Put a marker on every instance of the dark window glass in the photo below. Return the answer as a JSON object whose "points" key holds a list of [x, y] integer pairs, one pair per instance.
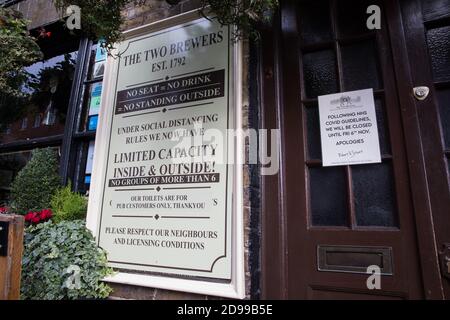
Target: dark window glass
{"points": [[328, 196], [439, 48], [85, 156], [313, 135], [360, 66], [315, 25], [383, 129], [48, 93], [373, 189], [435, 9], [352, 18], [444, 109], [319, 70]]}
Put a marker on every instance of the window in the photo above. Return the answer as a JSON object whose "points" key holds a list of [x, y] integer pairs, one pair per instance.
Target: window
{"points": [[37, 121], [42, 118], [60, 112], [47, 88], [87, 126], [24, 124]]}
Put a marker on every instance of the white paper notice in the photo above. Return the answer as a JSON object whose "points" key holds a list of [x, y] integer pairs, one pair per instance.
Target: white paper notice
{"points": [[348, 128]]}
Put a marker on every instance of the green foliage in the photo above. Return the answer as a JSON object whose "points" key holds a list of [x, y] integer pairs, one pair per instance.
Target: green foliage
{"points": [[36, 183], [17, 50], [99, 23], [244, 14], [100, 19], [68, 205], [51, 251]]}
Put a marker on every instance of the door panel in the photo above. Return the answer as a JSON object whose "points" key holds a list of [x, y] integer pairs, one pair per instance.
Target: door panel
{"points": [[427, 34]]}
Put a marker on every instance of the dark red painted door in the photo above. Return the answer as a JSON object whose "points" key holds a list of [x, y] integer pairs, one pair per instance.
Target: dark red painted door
{"points": [[427, 33], [323, 226]]}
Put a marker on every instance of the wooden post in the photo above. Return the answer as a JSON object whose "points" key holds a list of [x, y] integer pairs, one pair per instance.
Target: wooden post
{"points": [[11, 264]]}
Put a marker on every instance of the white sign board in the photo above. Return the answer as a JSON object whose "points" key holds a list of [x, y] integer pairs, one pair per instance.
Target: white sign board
{"points": [[164, 203], [348, 128]]}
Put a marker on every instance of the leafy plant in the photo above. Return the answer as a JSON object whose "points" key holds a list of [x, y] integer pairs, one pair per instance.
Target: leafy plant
{"points": [[99, 23], [36, 183], [68, 205], [100, 19], [244, 14], [62, 261], [34, 217], [17, 49]]}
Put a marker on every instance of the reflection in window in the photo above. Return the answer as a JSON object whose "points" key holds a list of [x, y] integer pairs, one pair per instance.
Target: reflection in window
{"points": [[47, 99], [37, 121], [50, 84], [24, 124]]}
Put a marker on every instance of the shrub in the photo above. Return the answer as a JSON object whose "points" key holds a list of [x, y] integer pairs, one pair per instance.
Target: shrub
{"points": [[68, 205], [62, 261], [35, 184]]}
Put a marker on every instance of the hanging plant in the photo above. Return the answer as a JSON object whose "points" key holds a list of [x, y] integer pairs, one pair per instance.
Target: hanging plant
{"points": [[244, 14], [102, 19]]}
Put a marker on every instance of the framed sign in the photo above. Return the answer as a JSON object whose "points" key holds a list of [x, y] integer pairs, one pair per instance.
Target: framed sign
{"points": [[166, 196]]}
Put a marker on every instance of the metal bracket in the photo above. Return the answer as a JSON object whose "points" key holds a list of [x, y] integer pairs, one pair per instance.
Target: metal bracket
{"points": [[421, 93], [4, 238]]}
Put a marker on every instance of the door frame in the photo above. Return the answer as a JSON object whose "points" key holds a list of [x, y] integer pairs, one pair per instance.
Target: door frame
{"points": [[279, 79]]}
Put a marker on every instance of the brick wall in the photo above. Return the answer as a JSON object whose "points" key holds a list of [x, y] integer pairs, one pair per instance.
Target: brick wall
{"points": [[42, 12], [38, 12]]}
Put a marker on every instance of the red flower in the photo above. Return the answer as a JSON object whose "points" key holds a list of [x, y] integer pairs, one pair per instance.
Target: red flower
{"points": [[29, 216], [45, 214], [37, 217], [3, 210]]}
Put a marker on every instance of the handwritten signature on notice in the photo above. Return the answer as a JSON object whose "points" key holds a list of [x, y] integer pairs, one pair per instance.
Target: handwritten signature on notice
{"points": [[350, 153]]}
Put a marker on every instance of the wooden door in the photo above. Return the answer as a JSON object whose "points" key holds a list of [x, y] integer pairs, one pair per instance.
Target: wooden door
{"points": [[322, 226], [427, 33]]}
